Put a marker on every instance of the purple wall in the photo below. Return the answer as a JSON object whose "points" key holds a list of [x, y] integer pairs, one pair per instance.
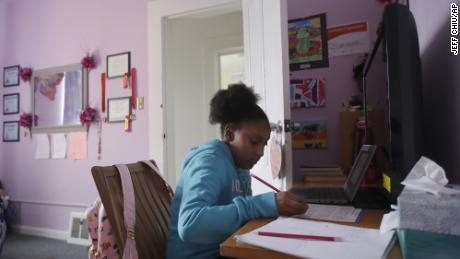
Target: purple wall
{"points": [[440, 85], [2, 64], [339, 77], [49, 33]]}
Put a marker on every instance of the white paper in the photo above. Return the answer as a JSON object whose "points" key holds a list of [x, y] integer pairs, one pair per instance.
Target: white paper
{"points": [[389, 222], [348, 39], [332, 213], [59, 146], [428, 176], [355, 242], [42, 150]]}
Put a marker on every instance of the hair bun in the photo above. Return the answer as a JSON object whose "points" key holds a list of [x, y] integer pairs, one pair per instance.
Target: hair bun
{"points": [[234, 104]]}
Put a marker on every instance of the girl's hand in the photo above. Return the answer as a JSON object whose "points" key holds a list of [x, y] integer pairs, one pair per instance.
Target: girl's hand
{"points": [[290, 204]]}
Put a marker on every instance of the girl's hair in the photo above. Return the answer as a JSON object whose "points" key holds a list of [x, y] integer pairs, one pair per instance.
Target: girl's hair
{"points": [[236, 104]]}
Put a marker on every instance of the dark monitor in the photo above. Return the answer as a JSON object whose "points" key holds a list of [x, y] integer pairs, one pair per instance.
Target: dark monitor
{"points": [[403, 106]]}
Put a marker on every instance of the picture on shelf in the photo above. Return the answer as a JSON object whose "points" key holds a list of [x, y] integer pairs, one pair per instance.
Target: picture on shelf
{"points": [[309, 134], [308, 42], [308, 93]]}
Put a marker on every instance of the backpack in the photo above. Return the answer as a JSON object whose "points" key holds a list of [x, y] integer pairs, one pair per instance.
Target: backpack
{"points": [[103, 245], [103, 241]]}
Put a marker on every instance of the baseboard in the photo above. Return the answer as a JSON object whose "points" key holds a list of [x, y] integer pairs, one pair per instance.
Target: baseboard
{"points": [[40, 232]]}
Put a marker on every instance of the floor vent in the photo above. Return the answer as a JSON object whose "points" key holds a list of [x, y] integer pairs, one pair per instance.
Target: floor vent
{"points": [[78, 230]]}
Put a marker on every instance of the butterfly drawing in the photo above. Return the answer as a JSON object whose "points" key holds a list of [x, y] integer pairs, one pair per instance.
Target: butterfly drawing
{"points": [[47, 85]]}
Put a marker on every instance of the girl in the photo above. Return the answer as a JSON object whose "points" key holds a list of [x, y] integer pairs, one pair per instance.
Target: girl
{"points": [[213, 197]]}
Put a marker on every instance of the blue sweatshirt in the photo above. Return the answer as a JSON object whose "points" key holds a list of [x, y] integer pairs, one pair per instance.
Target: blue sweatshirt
{"points": [[212, 200]]}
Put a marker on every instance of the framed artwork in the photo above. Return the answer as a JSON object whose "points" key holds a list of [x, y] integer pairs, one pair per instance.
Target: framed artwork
{"points": [[309, 134], [11, 103], [118, 109], [118, 64], [10, 131], [308, 42], [308, 93], [11, 76]]}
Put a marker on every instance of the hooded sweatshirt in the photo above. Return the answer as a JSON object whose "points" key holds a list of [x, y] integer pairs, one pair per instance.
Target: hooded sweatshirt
{"points": [[212, 200]]}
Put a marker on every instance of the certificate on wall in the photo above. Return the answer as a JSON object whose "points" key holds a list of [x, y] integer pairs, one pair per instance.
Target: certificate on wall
{"points": [[118, 109], [118, 64], [10, 131], [11, 76], [348, 39], [11, 103]]}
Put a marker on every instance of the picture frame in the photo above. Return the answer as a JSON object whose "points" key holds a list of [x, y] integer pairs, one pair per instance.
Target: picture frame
{"points": [[118, 108], [118, 64], [11, 76], [10, 131], [11, 103], [308, 46], [308, 93], [309, 134]]}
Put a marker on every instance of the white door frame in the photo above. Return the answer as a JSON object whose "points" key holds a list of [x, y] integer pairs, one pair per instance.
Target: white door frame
{"points": [[158, 11]]}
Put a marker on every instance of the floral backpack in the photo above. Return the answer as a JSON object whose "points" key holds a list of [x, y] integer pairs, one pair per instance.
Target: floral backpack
{"points": [[103, 245], [103, 242]]}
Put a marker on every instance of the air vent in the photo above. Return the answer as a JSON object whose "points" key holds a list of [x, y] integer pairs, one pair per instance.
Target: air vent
{"points": [[78, 230]]}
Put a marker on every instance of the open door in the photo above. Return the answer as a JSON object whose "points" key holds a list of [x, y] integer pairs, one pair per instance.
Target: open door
{"points": [[267, 70]]}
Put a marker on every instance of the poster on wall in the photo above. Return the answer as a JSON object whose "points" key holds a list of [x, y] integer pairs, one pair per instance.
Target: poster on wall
{"points": [[309, 134], [308, 42], [348, 39], [308, 93]]}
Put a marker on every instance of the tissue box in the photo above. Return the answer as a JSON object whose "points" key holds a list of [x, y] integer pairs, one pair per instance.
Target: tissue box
{"points": [[426, 212]]}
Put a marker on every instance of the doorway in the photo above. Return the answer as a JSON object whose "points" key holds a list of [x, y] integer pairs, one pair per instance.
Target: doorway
{"points": [[203, 50]]}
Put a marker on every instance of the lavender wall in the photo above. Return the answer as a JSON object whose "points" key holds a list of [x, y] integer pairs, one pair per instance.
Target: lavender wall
{"points": [[339, 77], [440, 84], [47, 33], [2, 64]]}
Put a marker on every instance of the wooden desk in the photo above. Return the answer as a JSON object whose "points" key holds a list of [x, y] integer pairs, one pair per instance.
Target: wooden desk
{"points": [[231, 248]]}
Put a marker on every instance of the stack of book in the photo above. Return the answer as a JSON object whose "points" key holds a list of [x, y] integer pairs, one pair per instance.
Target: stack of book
{"points": [[321, 171], [322, 176]]}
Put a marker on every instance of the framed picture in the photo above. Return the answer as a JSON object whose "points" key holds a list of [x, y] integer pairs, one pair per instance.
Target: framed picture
{"points": [[11, 76], [11, 103], [308, 42], [309, 134], [118, 108], [10, 131], [118, 64], [308, 93]]}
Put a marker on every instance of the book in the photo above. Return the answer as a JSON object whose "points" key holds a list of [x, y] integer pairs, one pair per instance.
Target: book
{"points": [[324, 180], [321, 170]]}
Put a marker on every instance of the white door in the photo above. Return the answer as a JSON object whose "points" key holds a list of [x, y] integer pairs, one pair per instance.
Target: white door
{"points": [[267, 69], [159, 12]]}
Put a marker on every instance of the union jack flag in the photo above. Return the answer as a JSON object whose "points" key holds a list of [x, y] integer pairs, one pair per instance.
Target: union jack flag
{"points": [[308, 93]]}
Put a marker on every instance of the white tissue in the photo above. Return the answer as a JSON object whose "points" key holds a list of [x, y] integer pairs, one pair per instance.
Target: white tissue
{"points": [[428, 176], [389, 222]]}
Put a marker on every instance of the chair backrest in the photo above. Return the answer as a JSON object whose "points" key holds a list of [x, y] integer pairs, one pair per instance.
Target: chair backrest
{"points": [[152, 204]]}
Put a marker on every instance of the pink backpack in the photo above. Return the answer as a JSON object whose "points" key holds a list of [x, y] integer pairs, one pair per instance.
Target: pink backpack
{"points": [[103, 245]]}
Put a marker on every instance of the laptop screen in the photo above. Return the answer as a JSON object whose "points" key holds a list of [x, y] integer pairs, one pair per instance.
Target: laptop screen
{"points": [[359, 169]]}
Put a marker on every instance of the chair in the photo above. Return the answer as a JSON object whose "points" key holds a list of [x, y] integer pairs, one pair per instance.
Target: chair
{"points": [[152, 197]]}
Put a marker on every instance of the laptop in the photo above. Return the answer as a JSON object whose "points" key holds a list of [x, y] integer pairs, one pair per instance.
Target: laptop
{"points": [[346, 193]]}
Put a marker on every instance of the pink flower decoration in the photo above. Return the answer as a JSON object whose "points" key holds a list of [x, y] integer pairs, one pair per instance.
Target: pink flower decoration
{"points": [[87, 115], [25, 120], [88, 62], [25, 73]]}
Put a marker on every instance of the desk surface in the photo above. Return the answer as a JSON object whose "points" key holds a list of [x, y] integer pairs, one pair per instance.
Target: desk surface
{"points": [[231, 248]]}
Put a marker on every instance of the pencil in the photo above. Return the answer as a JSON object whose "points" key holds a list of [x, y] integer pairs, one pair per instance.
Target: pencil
{"points": [[264, 182], [286, 235]]}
